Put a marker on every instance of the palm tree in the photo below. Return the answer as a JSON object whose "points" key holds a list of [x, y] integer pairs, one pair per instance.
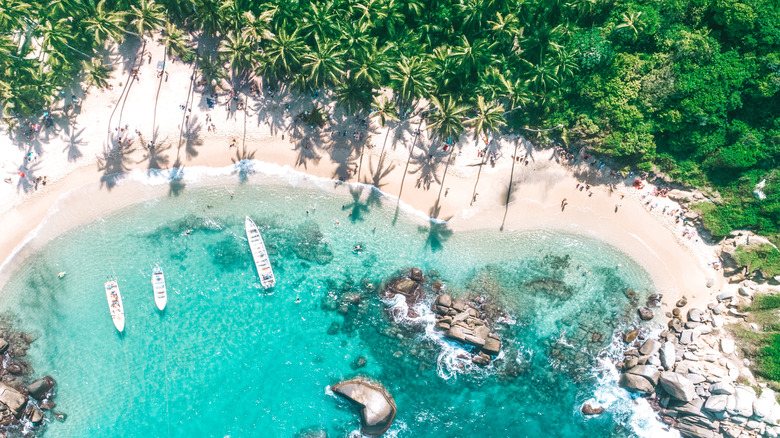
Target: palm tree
{"points": [[631, 23], [11, 14], [237, 50], [97, 74], [174, 40], [323, 66], [211, 71], [103, 24], [147, 17], [354, 96], [208, 16], [489, 118], [411, 79], [446, 121], [283, 53]]}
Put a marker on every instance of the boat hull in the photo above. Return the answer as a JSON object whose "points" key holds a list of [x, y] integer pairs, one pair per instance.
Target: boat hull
{"points": [[259, 254], [159, 289], [115, 306]]}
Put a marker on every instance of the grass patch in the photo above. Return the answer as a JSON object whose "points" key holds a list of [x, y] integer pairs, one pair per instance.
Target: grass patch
{"points": [[764, 258], [764, 302]]}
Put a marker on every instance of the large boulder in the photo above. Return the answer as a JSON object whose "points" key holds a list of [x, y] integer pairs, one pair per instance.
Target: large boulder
{"points": [[668, 355], [377, 406], [650, 347], [677, 386], [649, 372], [635, 383], [744, 397], [762, 407], [727, 345], [716, 403], [589, 408], [12, 398], [40, 387], [722, 388], [645, 314]]}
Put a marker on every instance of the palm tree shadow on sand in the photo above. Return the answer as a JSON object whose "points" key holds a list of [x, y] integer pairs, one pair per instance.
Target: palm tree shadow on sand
{"points": [[114, 163]]}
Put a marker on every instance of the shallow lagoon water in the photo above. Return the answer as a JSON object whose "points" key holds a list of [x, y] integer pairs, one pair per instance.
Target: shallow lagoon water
{"points": [[228, 359]]}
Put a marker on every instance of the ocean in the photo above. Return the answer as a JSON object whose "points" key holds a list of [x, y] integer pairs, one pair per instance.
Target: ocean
{"points": [[229, 359]]}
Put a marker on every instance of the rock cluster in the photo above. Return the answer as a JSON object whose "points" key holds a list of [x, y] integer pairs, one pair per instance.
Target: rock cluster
{"points": [[691, 374], [461, 322], [411, 287], [377, 407], [19, 403]]}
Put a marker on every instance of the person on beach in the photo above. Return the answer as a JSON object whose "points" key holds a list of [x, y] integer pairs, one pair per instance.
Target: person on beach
{"points": [[564, 203]]}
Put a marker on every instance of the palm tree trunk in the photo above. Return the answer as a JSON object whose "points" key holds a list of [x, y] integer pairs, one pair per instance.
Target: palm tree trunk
{"points": [[408, 159]]}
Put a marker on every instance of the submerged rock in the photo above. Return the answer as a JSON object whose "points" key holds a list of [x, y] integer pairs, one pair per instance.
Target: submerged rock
{"points": [[589, 409], [377, 406], [460, 321], [40, 387], [551, 288]]}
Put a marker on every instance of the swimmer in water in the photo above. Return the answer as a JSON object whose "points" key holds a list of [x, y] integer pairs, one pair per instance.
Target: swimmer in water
{"points": [[297, 300]]}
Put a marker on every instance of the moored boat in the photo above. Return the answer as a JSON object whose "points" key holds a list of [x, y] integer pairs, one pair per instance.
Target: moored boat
{"points": [[115, 304], [160, 291], [259, 254]]}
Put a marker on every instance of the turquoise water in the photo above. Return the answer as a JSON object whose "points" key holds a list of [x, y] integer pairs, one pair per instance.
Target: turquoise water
{"points": [[228, 359]]}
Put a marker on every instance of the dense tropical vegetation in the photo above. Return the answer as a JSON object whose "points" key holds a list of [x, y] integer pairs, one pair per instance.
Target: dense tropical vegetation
{"points": [[690, 88]]}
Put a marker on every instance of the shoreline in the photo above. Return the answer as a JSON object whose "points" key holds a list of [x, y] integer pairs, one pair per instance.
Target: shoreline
{"points": [[92, 152]]}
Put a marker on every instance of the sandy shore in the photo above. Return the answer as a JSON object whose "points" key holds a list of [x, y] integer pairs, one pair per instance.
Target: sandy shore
{"points": [[80, 156]]}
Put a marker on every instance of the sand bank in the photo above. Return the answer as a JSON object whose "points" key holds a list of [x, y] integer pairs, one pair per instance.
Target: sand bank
{"points": [[83, 155]]}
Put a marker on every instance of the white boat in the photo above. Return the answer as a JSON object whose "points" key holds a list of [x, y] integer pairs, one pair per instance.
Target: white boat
{"points": [[115, 304], [260, 255], [158, 285]]}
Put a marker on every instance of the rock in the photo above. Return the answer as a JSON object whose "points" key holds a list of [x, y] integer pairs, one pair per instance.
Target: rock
{"points": [[682, 302], [649, 372], [667, 354], [40, 387], [492, 345], [744, 397], [692, 431], [630, 336], [481, 359], [676, 325], [710, 281], [444, 300], [686, 337], [416, 275], [651, 346], [589, 409], [718, 309], [59, 416], [645, 314], [377, 406], [14, 368], [695, 378], [359, 362], [688, 355], [48, 405], [745, 292], [726, 295], [762, 407], [695, 315], [35, 415], [630, 362], [727, 346], [3, 346], [334, 328], [677, 386], [716, 403], [717, 321], [635, 383], [13, 399], [676, 312]]}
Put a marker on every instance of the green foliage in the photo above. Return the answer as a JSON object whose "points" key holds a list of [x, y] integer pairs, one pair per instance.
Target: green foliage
{"points": [[764, 302], [765, 258], [690, 87]]}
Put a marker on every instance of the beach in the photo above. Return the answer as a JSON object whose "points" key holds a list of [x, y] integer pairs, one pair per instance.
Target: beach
{"points": [[80, 155]]}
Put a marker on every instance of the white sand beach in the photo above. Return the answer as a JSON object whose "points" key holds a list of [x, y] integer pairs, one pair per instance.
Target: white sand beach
{"points": [[79, 154]]}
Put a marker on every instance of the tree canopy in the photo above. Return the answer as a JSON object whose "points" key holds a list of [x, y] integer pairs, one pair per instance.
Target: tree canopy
{"points": [[690, 88]]}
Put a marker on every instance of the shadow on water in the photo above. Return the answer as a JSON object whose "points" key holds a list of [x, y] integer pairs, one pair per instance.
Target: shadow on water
{"points": [[357, 209], [175, 180], [437, 233], [244, 164]]}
